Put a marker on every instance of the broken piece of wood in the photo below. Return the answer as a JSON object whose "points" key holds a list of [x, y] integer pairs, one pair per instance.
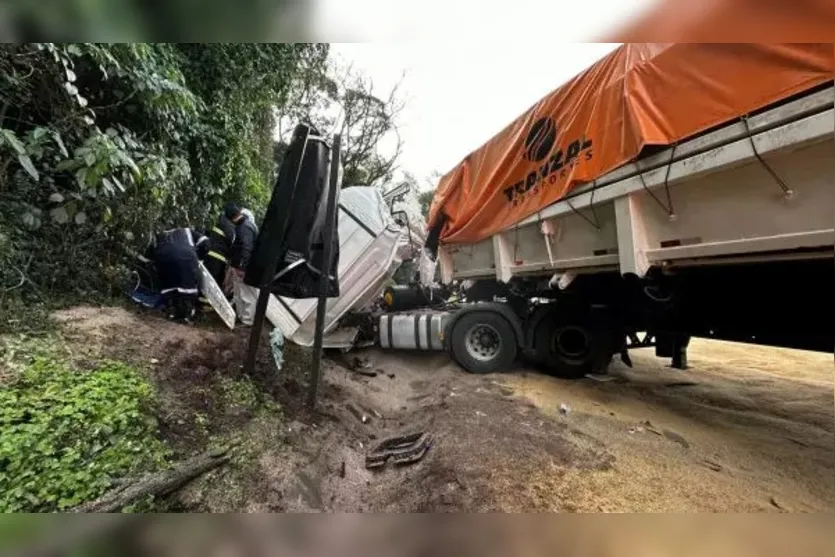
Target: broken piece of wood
{"points": [[155, 484]]}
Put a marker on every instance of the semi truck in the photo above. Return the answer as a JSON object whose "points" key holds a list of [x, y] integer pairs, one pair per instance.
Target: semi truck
{"points": [[668, 192]]}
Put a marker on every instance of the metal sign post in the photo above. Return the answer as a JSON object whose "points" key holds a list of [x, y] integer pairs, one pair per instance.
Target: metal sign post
{"points": [[321, 305], [266, 280]]}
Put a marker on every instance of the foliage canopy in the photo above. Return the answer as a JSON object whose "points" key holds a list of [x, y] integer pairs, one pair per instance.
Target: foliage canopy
{"points": [[102, 143]]}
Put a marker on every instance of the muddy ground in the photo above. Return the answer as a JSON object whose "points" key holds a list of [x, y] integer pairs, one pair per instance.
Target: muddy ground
{"points": [[745, 429]]}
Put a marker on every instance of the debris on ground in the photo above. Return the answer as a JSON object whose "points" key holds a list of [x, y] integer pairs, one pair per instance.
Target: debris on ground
{"points": [[715, 466], [600, 378], [564, 409], [651, 428], [673, 436], [676, 384], [767, 412], [401, 450], [777, 505], [277, 347], [358, 414], [359, 363]]}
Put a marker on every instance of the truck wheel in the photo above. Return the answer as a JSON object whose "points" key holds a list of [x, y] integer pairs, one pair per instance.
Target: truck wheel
{"points": [[483, 342], [572, 348]]}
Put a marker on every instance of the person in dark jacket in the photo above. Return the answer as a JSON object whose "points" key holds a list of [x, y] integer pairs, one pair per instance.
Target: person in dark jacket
{"points": [[176, 254], [221, 237], [245, 234]]}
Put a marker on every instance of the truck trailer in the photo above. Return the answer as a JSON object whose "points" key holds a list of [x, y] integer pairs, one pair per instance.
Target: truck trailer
{"points": [[670, 191]]}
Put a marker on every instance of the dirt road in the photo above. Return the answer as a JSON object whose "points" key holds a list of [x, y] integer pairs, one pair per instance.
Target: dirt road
{"points": [[746, 429]]}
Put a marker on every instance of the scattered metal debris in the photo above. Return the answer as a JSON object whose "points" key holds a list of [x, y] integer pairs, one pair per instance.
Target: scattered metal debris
{"points": [[564, 409], [401, 450], [479, 413]]}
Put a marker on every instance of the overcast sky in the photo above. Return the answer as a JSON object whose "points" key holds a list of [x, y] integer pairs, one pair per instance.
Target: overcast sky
{"points": [[461, 87]]}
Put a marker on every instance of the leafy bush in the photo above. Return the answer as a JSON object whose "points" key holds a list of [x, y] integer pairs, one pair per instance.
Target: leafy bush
{"points": [[103, 144], [65, 435]]}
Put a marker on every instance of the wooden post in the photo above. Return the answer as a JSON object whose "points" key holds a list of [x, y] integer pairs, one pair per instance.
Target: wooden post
{"points": [[321, 306]]}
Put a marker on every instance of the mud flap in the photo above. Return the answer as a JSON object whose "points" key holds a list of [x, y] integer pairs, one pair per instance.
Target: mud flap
{"points": [[213, 293]]}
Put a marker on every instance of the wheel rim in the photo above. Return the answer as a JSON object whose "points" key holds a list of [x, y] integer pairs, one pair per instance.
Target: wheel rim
{"points": [[483, 342], [573, 342]]}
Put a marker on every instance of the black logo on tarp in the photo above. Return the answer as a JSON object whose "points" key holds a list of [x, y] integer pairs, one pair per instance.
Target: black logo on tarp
{"points": [[540, 139], [554, 161]]}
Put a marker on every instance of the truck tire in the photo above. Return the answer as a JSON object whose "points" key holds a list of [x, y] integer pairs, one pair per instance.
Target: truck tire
{"points": [[571, 346], [483, 342]]}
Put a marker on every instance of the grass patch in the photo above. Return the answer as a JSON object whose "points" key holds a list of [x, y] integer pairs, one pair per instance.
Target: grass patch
{"points": [[65, 434]]}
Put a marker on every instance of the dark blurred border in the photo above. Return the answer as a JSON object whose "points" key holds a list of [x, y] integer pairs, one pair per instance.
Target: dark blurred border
{"points": [[731, 21], [406, 535], [156, 20]]}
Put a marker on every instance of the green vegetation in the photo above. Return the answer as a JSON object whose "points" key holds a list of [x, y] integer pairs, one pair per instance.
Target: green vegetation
{"points": [[65, 434], [102, 144]]}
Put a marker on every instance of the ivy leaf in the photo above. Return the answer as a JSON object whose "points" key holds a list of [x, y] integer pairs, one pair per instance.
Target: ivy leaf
{"points": [[118, 184], [60, 142], [90, 158], [108, 185], [56, 198], [27, 165], [82, 102], [80, 218], [70, 75], [108, 215], [60, 215], [68, 164], [81, 177], [74, 50], [71, 89], [13, 141]]}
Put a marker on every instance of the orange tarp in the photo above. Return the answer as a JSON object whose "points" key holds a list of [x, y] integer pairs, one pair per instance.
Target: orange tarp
{"points": [[639, 95]]}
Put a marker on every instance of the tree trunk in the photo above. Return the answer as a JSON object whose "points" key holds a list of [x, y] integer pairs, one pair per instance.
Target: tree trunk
{"points": [[159, 483]]}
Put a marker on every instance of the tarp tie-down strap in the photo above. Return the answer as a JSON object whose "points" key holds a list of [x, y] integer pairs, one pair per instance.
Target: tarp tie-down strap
{"points": [[595, 222], [788, 193], [668, 207]]}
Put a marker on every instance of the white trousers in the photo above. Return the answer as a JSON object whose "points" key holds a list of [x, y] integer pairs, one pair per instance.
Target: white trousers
{"points": [[245, 298]]}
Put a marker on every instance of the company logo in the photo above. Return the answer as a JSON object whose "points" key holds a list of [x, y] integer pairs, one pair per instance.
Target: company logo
{"points": [[542, 147], [540, 139]]}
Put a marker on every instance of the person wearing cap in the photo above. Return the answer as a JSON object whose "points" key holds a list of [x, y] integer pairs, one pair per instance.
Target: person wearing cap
{"points": [[243, 245]]}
